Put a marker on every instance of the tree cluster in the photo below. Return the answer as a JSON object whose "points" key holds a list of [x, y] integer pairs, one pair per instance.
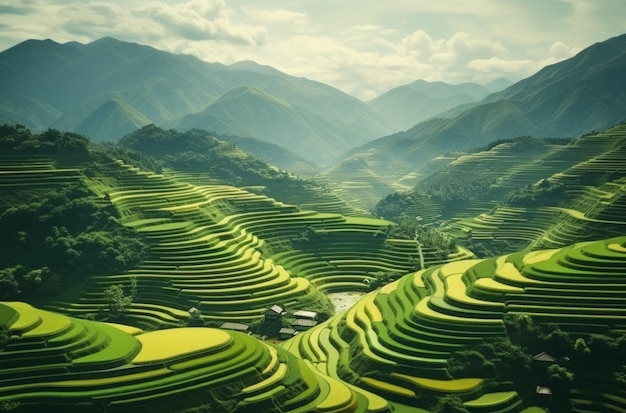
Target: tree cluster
{"points": [[200, 151], [53, 238], [411, 228], [20, 140]]}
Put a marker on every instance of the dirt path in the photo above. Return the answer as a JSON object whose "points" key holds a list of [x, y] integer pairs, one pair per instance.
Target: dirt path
{"points": [[343, 301]]}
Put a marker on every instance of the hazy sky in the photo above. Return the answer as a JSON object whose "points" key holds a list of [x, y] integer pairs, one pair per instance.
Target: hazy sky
{"points": [[363, 47]]}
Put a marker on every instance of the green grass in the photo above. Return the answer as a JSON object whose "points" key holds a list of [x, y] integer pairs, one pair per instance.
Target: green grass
{"points": [[492, 399]]}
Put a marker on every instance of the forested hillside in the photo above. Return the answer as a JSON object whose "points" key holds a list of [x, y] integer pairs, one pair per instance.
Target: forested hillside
{"points": [[56, 231], [524, 193]]}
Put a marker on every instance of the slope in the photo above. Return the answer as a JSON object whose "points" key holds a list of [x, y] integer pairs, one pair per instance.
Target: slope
{"points": [[468, 330], [248, 111], [525, 193], [576, 96], [42, 81], [413, 103]]}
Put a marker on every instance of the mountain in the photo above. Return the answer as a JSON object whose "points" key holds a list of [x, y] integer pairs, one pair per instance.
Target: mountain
{"points": [[273, 154], [409, 104], [78, 86], [584, 93], [249, 111], [113, 117]]}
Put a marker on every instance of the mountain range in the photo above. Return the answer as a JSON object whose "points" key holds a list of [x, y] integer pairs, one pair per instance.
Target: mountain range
{"points": [[109, 88], [415, 102], [582, 94]]}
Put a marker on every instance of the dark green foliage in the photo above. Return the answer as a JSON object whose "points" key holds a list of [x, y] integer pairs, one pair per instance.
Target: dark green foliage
{"points": [[411, 228], [59, 237], [200, 151], [526, 142], [470, 363], [19, 140], [4, 336], [450, 404], [544, 192], [497, 357], [130, 157], [559, 377], [455, 191], [119, 298], [396, 205]]}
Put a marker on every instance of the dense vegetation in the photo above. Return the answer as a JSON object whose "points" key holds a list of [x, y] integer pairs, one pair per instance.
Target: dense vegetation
{"points": [[18, 140], [200, 151], [54, 239]]}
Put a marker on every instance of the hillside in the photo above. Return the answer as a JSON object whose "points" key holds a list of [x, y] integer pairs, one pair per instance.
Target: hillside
{"points": [[205, 158], [435, 327], [481, 335], [410, 104], [248, 111], [108, 88], [570, 98], [273, 154], [525, 193]]}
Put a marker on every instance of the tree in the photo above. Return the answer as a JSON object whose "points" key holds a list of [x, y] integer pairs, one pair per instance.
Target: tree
{"points": [[523, 322], [117, 299], [450, 404], [559, 376]]}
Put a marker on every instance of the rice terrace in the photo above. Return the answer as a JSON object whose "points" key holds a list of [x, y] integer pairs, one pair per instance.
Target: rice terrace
{"points": [[177, 268]]}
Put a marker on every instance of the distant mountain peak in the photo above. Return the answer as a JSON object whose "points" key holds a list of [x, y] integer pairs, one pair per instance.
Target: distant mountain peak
{"points": [[251, 91], [252, 66]]}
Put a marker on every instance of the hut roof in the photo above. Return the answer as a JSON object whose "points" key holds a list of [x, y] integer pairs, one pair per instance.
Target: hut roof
{"points": [[235, 326], [312, 315], [544, 357]]}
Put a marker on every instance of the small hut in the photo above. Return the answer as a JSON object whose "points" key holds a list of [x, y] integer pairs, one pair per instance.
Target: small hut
{"points": [[305, 315], [286, 333], [543, 395], [302, 324], [542, 361], [274, 313], [243, 328]]}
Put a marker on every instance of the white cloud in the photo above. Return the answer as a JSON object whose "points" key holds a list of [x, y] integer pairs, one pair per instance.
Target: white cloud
{"points": [[201, 20], [281, 17], [362, 48], [560, 50]]}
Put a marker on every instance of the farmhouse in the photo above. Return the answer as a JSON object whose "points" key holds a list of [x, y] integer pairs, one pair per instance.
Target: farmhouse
{"points": [[543, 394], [244, 328], [543, 360], [274, 313], [306, 315], [302, 324], [194, 313], [286, 333]]}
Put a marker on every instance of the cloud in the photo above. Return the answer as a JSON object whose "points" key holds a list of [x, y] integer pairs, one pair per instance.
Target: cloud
{"points": [[364, 49], [296, 20], [561, 50], [201, 20], [156, 23]]}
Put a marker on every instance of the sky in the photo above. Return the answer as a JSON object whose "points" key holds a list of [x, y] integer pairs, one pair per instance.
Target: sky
{"points": [[362, 47]]}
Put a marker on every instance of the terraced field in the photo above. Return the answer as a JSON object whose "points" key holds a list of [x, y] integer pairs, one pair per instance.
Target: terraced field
{"points": [[229, 252], [396, 342], [232, 253], [53, 362], [29, 172], [586, 211]]}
